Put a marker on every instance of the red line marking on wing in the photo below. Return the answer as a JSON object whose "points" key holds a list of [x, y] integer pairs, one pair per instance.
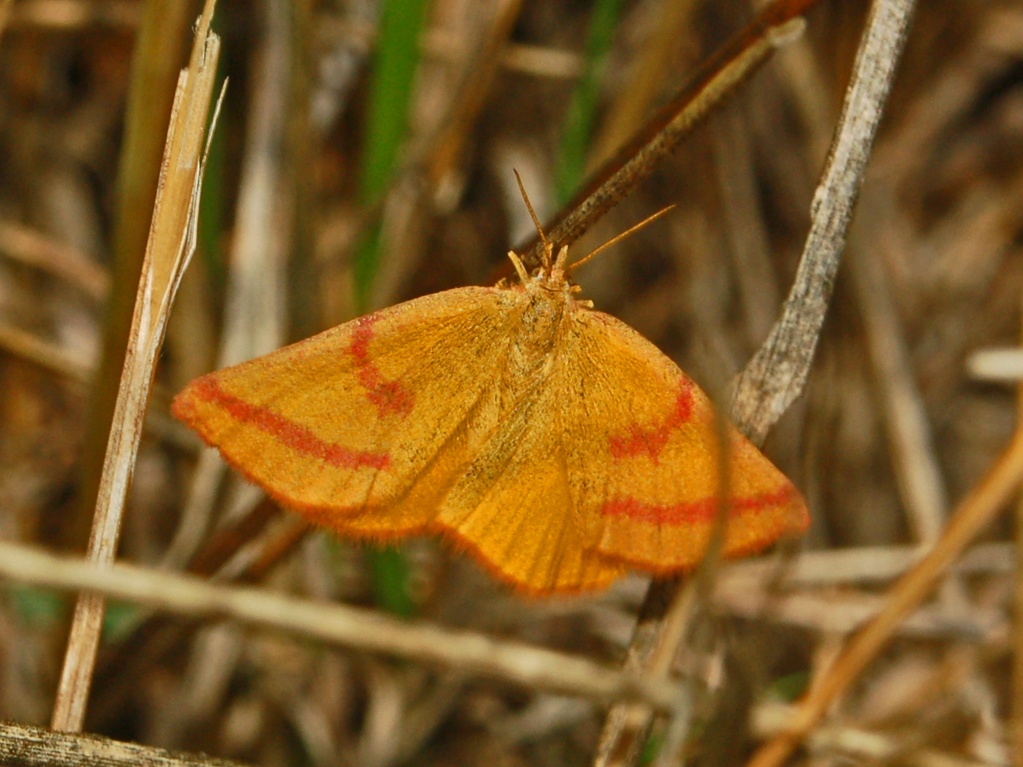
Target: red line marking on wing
{"points": [[297, 437], [703, 510], [387, 396], [640, 441]]}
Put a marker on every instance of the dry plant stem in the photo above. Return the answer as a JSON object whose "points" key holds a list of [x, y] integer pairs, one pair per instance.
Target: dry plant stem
{"points": [[777, 373], [625, 728], [43, 353], [157, 636], [915, 460], [36, 747], [170, 246], [867, 745], [996, 365], [715, 79], [839, 615], [27, 246], [916, 464], [336, 624], [974, 513], [60, 15], [863, 564], [156, 61]]}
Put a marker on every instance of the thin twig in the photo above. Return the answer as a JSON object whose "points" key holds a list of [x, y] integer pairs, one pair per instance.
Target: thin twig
{"points": [[717, 78], [337, 624]]}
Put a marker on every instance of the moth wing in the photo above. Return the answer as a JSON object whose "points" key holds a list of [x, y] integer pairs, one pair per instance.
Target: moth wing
{"points": [[512, 508], [643, 460], [357, 417]]}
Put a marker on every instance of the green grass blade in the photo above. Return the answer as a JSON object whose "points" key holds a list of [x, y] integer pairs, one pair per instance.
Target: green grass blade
{"points": [[582, 109]]}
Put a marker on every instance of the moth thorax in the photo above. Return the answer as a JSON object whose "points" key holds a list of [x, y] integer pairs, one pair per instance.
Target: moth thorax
{"points": [[530, 355]]}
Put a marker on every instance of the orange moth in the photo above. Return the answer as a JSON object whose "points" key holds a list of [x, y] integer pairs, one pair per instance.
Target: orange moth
{"points": [[551, 441]]}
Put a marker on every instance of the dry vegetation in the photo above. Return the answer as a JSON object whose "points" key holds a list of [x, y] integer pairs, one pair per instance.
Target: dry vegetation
{"points": [[889, 436]]}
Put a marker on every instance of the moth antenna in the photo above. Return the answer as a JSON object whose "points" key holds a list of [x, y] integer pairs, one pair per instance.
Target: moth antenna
{"points": [[547, 248], [617, 237]]}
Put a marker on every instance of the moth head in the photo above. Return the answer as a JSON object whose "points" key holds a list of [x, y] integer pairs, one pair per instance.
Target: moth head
{"points": [[553, 275]]}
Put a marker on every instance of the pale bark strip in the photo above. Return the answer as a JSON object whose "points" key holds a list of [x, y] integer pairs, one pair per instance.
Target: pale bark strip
{"points": [[777, 373], [336, 624], [171, 243]]}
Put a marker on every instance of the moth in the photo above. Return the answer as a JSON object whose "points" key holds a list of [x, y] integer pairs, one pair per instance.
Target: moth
{"points": [[549, 440]]}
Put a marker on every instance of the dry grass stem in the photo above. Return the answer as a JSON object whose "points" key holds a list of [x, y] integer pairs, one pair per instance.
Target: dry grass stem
{"points": [[772, 718], [840, 613], [776, 25], [997, 365], [171, 244], [862, 565], [916, 463], [339, 625], [23, 245], [45, 354]]}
